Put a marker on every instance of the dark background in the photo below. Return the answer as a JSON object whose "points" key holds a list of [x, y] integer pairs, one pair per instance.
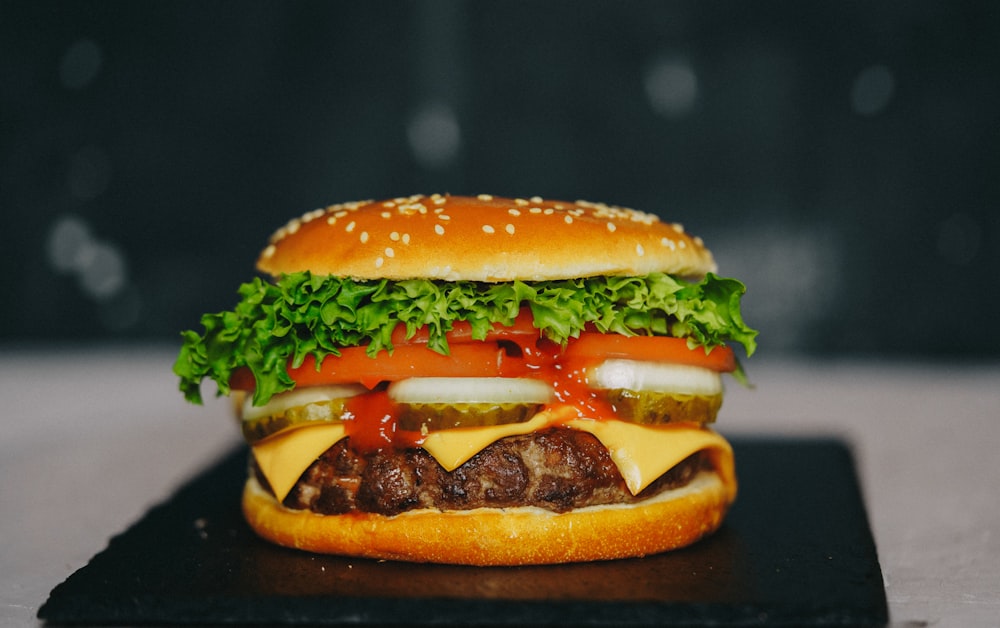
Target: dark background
{"points": [[842, 158]]}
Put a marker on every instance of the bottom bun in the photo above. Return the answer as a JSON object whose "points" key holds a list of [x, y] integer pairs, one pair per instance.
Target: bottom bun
{"points": [[509, 536]]}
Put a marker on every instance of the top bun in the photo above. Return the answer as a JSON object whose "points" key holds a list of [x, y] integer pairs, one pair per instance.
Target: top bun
{"points": [[483, 238]]}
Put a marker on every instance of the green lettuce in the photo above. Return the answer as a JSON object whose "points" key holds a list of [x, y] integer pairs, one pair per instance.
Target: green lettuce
{"points": [[302, 314]]}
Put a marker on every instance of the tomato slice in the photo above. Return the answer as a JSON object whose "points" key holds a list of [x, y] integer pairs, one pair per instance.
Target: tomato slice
{"points": [[472, 358], [411, 357], [354, 365], [650, 349], [461, 331]]}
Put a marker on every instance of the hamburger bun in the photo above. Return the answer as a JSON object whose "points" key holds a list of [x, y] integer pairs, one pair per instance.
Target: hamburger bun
{"points": [[437, 291], [482, 238], [510, 536]]}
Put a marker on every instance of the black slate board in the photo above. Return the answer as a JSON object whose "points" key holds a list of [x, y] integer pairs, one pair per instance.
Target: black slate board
{"points": [[796, 549]]}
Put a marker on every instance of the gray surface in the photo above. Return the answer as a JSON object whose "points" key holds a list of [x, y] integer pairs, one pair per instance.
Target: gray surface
{"points": [[93, 438]]}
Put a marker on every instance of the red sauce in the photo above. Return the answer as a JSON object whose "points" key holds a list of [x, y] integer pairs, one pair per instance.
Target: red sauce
{"points": [[568, 379], [371, 418]]}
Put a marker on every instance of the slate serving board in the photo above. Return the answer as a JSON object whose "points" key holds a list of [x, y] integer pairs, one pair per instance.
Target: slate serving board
{"points": [[796, 549]]}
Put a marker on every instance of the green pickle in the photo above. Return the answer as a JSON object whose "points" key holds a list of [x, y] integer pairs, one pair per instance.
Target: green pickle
{"points": [[420, 417], [652, 408], [319, 412], [645, 407]]}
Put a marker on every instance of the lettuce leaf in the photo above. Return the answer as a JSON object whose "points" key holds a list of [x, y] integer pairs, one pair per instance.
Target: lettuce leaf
{"points": [[302, 314]]}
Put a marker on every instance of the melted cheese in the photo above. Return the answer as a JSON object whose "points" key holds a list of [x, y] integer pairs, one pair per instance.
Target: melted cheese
{"points": [[642, 453], [284, 457], [451, 448]]}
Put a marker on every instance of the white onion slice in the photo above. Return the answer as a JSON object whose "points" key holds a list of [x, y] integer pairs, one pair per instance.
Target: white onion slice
{"points": [[654, 376], [299, 397], [470, 390]]}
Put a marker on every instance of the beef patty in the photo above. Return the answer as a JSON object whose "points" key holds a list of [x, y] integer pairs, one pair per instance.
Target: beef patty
{"points": [[558, 469]]}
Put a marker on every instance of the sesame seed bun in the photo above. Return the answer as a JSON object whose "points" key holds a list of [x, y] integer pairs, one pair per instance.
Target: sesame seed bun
{"points": [[510, 536], [492, 239], [482, 238]]}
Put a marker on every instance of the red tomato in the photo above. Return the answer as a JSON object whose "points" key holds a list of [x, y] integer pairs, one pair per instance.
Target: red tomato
{"points": [[461, 331], [650, 349], [474, 359]]}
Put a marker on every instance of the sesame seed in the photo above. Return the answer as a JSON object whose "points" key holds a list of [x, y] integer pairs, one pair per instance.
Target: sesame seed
{"points": [[386, 214], [268, 252], [536, 199], [406, 238], [364, 237], [548, 211], [350, 227], [331, 220], [535, 210], [514, 212], [378, 262], [440, 200], [612, 226], [438, 229], [520, 201], [568, 219], [682, 244], [679, 228], [388, 204], [664, 241], [313, 215], [639, 250], [485, 197], [293, 226], [488, 229], [389, 252], [509, 229], [444, 217], [394, 236], [341, 213]]}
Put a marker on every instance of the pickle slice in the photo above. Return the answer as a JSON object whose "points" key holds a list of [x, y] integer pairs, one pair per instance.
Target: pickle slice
{"points": [[653, 407], [424, 417], [319, 412]]}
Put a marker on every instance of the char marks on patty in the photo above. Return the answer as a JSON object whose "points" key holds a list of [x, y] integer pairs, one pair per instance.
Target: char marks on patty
{"points": [[557, 469]]}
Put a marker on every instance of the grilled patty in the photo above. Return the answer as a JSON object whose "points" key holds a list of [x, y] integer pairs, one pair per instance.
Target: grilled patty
{"points": [[557, 469]]}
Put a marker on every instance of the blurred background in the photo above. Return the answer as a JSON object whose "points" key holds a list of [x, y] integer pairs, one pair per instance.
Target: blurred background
{"points": [[841, 158]]}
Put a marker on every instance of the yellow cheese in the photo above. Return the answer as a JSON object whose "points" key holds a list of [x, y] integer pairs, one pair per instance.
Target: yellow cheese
{"points": [[452, 448], [284, 457], [642, 453]]}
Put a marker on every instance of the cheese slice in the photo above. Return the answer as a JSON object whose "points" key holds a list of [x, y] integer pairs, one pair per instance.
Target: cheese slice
{"points": [[642, 453], [452, 448], [284, 457]]}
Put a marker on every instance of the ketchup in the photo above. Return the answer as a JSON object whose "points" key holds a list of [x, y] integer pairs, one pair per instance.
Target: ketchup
{"points": [[568, 379], [371, 419]]}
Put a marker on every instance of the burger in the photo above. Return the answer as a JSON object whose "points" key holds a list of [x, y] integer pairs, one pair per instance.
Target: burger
{"points": [[480, 381]]}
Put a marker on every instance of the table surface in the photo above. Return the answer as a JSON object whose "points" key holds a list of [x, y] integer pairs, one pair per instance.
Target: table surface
{"points": [[94, 437]]}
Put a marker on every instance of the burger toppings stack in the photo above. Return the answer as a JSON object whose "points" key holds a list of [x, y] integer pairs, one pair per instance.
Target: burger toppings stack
{"points": [[479, 380]]}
